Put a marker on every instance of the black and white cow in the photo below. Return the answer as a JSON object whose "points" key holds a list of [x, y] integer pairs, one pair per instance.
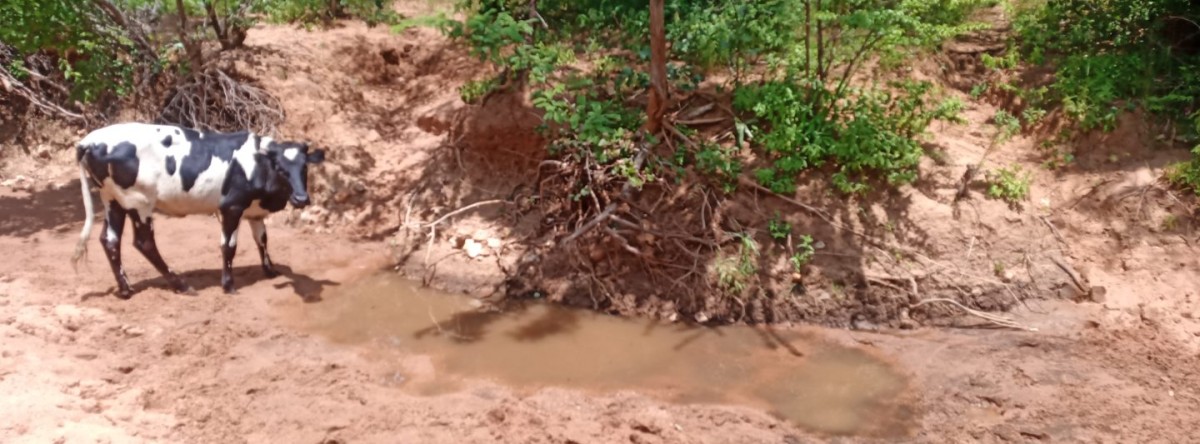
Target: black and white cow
{"points": [[142, 169]]}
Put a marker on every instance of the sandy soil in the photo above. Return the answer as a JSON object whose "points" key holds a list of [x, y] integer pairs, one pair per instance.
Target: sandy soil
{"points": [[78, 365]]}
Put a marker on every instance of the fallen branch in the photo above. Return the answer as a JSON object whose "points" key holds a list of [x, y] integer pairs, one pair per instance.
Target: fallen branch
{"points": [[994, 319]]}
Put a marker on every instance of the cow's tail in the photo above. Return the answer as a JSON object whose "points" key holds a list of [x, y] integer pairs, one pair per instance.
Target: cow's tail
{"points": [[89, 217]]}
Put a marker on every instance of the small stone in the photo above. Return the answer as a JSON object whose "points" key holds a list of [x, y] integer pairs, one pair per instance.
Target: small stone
{"points": [[473, 249], [818, 245], [1007, 276], [132, 331], [493, 243], [1099, 294], [976, 292], [701, 317]]}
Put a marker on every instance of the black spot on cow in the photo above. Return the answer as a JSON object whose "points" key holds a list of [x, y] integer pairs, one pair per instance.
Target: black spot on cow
{"points": [[167, 141], [170, 165], [124, 162], [93, 156], [202, 150], [190, 134]]}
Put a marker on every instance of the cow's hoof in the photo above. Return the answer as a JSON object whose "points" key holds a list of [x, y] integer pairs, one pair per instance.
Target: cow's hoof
{"points": [[124, 293], [230, 291], [186, 290], [271, 273]]}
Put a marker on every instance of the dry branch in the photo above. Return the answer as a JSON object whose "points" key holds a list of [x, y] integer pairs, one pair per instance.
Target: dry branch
{"points": [[14, 86]]}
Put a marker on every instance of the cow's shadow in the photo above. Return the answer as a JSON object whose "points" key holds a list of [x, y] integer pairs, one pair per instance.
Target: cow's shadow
{"points": [[306, 287]]}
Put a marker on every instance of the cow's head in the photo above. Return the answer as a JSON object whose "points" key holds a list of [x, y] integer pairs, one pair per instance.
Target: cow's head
{"points": [[290, 160]]}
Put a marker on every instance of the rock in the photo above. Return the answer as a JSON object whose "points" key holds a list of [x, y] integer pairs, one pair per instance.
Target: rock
{"points": [[493, 243], [818, 245], [132, 331], [473, 249], [1099, 294], [1007, 276]]}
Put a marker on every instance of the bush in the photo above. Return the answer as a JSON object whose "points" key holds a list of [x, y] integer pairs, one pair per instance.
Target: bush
{"points": [[1114, 56], [1009, 184]]}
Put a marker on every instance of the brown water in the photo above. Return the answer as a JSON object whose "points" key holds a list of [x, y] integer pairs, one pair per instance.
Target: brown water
{"points": [[814, 384]]}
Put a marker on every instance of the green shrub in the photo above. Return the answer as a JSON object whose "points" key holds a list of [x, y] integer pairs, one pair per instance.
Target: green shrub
{"points": [[1009, 184]]}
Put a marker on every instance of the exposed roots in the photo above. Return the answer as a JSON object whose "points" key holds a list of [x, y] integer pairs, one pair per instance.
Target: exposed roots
{"points": [[991, 318], [213, 100]]}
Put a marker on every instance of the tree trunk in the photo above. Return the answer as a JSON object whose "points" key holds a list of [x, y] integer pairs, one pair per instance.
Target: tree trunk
{"points": [[195, 57], [659, 93], [229, 34]]}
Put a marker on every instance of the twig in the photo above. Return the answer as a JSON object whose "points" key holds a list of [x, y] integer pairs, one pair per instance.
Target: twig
{"points": [[708, 121], [998, 320], [1070, 273], [624, 242], [1054, 231], [464, 209]]}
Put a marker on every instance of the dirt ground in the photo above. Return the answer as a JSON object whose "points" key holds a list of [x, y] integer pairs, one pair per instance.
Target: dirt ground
{"points": [[79, 365]]}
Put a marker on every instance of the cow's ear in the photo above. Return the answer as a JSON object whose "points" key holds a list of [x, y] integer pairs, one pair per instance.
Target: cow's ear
{"points": [[316, 156]]}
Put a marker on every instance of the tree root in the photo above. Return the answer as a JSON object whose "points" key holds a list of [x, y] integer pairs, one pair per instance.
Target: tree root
{"points": [[212, 100]]}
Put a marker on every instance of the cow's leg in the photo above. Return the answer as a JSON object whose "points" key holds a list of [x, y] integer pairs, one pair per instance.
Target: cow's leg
{"points": [[259, 229], [110, 239], [230, 218], [143, 240]]}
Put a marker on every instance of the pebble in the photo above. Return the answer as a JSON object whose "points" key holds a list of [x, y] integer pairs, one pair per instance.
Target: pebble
{"points": [[473, 249], [132, 331]]}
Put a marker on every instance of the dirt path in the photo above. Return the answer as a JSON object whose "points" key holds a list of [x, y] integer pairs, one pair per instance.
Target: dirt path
{"points": [[78, 365]]}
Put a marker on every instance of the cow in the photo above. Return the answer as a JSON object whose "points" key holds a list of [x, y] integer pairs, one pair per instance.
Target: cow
{"points": [[141, 169]]}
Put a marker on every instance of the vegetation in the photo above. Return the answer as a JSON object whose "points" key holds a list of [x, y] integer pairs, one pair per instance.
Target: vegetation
{"points": [[101, 52], [1109, 58], [789, 63], [1009, 184]]}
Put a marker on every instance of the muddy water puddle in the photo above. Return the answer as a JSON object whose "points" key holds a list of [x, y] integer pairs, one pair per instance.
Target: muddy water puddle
{"points": [[815, 384]]}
